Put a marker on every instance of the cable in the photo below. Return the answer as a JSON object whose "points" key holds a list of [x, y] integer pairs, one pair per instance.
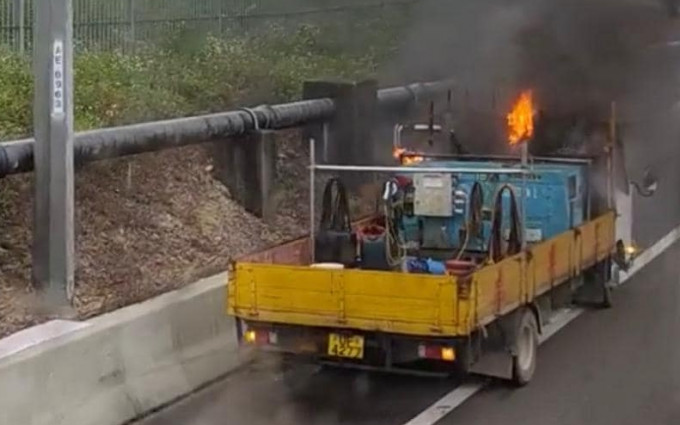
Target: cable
{"points": [[393, 240], [391, 212]]}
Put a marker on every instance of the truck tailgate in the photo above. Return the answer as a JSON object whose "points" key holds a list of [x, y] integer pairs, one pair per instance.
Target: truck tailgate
{"points": [[358, 299]]}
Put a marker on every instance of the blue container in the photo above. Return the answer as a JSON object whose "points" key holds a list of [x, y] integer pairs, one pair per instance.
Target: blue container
{"points": [[554, 196]]}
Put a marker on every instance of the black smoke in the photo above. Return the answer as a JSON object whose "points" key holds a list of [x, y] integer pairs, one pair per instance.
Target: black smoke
{"points": [[578, 56]]}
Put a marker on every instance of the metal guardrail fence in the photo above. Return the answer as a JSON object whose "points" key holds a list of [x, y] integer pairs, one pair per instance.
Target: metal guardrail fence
{"points": [[121, 24]]}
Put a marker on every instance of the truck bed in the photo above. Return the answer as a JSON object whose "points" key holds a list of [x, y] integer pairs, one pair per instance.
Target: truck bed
{"points": [[414, 304]]}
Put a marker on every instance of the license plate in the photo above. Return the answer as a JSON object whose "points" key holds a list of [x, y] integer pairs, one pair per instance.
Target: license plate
{"points": [[348, 346]]}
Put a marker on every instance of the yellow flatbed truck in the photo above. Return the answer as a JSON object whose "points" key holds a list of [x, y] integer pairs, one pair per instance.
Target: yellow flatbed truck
{"points": [[476, 277], [362, 315]]}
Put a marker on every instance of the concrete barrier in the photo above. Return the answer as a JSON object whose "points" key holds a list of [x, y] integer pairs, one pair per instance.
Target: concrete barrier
{"points": [[124, 363], [119, 366]]}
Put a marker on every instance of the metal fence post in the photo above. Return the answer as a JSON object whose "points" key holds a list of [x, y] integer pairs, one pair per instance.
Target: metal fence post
{"points": [[220, 20], [19, 17], [53, 245], [133, 29]]}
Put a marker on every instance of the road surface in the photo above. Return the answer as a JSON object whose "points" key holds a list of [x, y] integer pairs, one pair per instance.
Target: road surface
{"points": [[617, 366]]}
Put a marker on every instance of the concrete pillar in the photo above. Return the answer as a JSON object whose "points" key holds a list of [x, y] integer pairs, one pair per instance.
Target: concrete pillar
{"points": [[247, 166], [350, 132], [53, 240]]}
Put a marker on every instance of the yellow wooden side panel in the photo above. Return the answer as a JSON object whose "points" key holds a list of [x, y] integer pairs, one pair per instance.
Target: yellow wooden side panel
{"points": [[502, 287], [539, 272], [595, 241], [584, 249], [498, 288], [359, 299], [551, 263], [606, 235], [465, 309]]}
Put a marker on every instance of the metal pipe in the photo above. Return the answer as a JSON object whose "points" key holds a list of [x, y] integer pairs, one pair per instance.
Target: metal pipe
{"points": [[525, 166], [312, 198], [396, 136], [17, 156], [513, 158], [397, 97], [610, 156], [326, 141], [380, 169]]}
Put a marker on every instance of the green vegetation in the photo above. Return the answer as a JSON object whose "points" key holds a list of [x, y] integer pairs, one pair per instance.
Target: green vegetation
{"points": [[191, 74]]}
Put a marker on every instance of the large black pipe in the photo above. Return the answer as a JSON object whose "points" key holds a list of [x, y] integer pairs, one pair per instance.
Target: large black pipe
{"points": [[17, 156]]}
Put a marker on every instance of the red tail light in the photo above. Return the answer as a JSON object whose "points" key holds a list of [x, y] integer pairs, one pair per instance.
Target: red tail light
{"points": [[437, 352]]}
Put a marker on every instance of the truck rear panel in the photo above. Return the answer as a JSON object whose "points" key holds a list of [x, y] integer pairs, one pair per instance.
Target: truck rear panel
{"points": [[356, 299]]}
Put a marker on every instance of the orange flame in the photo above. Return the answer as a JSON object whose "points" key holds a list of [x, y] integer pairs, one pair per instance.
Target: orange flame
{"points": [[408, 157], [521, 119]]}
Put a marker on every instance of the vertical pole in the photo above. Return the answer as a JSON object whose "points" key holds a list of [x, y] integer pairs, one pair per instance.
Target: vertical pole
{"points": [[609, 150], [326, 142], [53, 249], [525, 166], [133, 29], [312, 200], [523, 225], [220, 19], [19, 14]]}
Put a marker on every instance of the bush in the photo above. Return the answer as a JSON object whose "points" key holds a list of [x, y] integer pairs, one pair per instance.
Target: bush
{"points": [[172, 80], [16, 92]]}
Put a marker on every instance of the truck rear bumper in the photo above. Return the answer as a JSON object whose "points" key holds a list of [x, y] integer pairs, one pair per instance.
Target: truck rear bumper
{"points": [[353, 348]]}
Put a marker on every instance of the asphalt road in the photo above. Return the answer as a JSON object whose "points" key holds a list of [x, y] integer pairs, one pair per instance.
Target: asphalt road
{"points": [[258, 396], [618, 366]]}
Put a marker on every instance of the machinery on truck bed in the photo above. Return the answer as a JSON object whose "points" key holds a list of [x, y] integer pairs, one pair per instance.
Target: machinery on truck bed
{"points": [[467, 261]]}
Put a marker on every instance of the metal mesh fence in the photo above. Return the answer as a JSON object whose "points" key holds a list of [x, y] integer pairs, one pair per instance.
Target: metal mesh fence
{"points": [[123, 24]]}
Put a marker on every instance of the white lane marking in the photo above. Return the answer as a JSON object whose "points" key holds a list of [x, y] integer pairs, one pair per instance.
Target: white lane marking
{"points": [[651, 253], [460, 394], [446, 404], [559, 321]]}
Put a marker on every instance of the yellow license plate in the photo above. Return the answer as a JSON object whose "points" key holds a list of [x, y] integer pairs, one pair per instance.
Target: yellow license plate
{"points": [[348, 346]]}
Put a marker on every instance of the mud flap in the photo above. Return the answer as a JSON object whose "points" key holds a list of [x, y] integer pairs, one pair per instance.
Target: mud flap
{"points": [[498, 348], [495, 364]]}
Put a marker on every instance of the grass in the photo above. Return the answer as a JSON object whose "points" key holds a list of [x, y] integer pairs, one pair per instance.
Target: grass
{"points": [[189, 74]]}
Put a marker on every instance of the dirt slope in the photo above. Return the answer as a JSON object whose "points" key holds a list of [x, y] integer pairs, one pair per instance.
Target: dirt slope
{"points": [[144, 226]]}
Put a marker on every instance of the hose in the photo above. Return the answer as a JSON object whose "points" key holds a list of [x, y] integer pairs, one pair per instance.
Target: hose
{"points": [[474, 222], [335, 210], [514, 242]]}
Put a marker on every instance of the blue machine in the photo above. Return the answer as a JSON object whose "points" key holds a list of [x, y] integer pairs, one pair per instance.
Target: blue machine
{"points": [[554, 199]]}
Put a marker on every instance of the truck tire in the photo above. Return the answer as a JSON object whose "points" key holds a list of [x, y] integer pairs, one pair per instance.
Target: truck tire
{"points": [[526, 349]]}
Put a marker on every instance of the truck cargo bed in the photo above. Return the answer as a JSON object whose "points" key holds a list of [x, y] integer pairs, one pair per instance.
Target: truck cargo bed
{"points": [[415, 304]]}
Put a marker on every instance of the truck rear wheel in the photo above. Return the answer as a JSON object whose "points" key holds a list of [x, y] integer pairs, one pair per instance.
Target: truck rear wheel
{"points": [[526, 349]]}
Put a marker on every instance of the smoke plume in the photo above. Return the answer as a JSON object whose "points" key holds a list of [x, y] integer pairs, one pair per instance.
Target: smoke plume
{"points": [[577, 55]]}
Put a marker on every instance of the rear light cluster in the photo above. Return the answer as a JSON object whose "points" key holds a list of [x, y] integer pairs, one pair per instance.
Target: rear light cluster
{"points": [[260, 337], [436, 352]]}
